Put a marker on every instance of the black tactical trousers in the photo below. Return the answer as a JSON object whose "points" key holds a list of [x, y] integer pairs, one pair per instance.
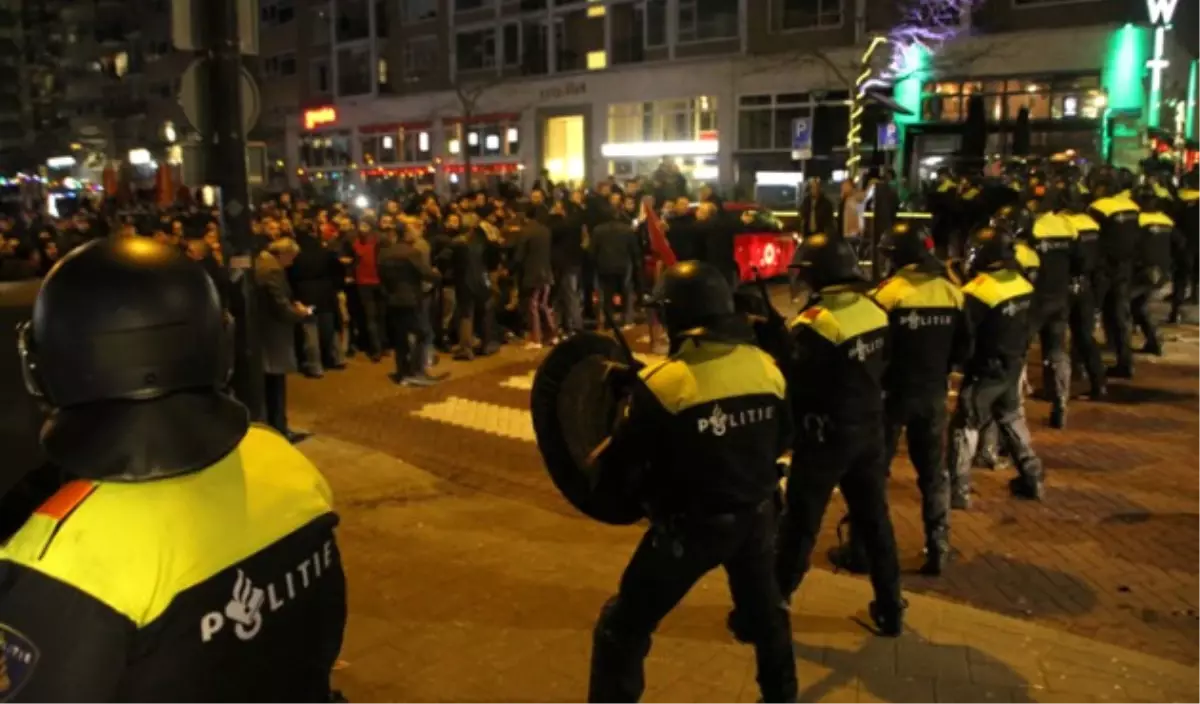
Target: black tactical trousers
{"points": [[1085, 352], [671, 558], [1183, 276], [923, 420], [996, 399], [852, 459], [1112, 291], [1049, 321], [1140, 315]]}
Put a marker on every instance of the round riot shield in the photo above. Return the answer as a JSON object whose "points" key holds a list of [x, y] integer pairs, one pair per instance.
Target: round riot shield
{"points": [[574, 408]]}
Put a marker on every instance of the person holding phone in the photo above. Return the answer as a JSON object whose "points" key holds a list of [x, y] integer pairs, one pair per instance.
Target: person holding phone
{"points": [[280, 313]]}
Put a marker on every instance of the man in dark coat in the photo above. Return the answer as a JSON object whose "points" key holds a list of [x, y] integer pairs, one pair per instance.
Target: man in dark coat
{"points": [[566, 259], [403, 271], [470, 254], [279, 312], [531, 263], [314, 278], [615, 251]]}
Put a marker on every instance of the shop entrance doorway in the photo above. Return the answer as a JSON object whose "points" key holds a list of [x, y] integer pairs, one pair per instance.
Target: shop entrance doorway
{"points": [[563, 149]]}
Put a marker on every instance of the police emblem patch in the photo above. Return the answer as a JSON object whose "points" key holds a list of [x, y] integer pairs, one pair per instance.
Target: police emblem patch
{"points": [[18, 659]]}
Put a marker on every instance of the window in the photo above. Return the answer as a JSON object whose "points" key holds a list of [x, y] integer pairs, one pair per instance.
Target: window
{"points": [[325, 149], [656, 23], [381, 72], [765, 121], [277, 12], [319, 76], [483, 139], [468, 5], [319, 26], [354, 72], [418, 10], [681, 120], [476, 50], [420, 55], [280, 65], [414, 145], [809, 14], [512, 44], [1047, 98], [597, 60], [353, 20], [706, 20]]}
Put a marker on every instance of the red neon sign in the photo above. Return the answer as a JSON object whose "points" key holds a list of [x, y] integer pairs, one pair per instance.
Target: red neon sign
{"points": [[319, 116]]}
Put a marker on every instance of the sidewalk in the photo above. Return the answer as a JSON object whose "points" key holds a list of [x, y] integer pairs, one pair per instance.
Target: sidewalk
{"points": [[457, 595]]}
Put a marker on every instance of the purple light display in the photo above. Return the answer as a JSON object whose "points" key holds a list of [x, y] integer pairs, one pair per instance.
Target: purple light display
{"points": [[929, 24]]}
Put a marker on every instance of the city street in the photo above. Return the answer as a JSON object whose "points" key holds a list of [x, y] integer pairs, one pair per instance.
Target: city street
{"points": [[470, 578]]}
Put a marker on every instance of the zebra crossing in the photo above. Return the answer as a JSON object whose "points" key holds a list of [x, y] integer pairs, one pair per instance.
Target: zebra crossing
{"points": [[513, 422]]}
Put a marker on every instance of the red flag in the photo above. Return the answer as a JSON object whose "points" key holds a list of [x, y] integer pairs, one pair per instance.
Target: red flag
{"points": [[658, 236]]}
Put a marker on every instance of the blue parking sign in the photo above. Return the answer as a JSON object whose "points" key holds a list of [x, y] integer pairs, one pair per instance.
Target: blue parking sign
{"points": [[886, 137], [802, 137]]}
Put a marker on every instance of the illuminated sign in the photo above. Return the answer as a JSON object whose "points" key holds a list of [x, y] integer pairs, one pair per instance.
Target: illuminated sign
{"points": [[319, 116], [1161, 11], [1161, 14]]}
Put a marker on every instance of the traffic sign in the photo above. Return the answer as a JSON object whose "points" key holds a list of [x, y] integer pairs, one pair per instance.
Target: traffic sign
{"points": [[189, 98], [802, 138], [886, 136], [187, 20]]}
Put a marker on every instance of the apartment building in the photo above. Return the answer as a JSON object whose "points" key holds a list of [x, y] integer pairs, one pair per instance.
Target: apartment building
{"points": [[102, 85], [585, 89]]}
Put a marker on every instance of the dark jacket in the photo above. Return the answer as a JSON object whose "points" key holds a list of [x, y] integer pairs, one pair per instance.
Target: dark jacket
{"points": [[469, 263], [816, 215], [314, 275], [614, 248], [277, 318], [402, 270], [566, 238], [532, 256]]}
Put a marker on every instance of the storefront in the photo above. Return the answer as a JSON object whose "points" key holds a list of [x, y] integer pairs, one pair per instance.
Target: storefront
{"points": [[1090, 90]]}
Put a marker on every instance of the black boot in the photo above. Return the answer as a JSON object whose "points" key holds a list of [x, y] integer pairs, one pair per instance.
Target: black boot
{"points": [[1098, 392], [1120, 371], [1058, 415], [1152, 348], [1024, 487], [889, 619], [849, 555], [937, 555]]}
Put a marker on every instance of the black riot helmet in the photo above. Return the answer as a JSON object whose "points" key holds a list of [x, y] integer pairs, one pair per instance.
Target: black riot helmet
{"points": [[828, 261], [696, 301], [128, 334], [907, 243], [991, 248], [1013, 220]]}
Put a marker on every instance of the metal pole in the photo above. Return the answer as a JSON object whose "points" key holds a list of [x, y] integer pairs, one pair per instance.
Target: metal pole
{"points": [[225, 162]]}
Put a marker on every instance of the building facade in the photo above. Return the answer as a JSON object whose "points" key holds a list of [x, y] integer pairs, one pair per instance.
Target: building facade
{"points": [[418, 89]]}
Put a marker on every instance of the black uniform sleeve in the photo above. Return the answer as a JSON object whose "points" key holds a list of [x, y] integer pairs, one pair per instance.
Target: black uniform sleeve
{"points": [[60, 644], [962, 346]]}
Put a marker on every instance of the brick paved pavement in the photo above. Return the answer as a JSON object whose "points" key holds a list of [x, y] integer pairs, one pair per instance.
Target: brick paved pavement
{"points": [[459, 595], [1110, 555]]}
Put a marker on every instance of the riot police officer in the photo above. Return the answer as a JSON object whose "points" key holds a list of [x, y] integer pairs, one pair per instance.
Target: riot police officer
{"points": [[1085, 352], [1017, 222], [929, 336], [190, 554], [1056, 242], [998, 300], [840, 342], [22, 473], [1153, 261], [709, 424], [1186, 258], [1117, 216]]}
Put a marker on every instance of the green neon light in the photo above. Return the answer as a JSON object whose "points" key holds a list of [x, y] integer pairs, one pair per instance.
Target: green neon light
{"points": [[1124, 65], [1121, 78], [907, 92], [1193, 79]]}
